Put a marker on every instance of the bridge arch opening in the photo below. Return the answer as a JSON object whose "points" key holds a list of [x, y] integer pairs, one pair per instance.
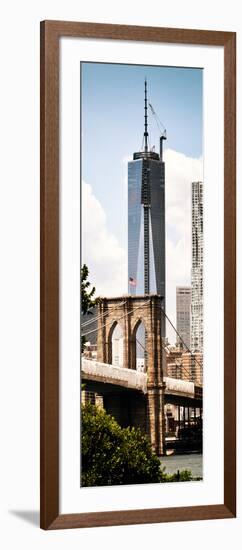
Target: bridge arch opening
{"points": [[139, 346], [116, 345]]}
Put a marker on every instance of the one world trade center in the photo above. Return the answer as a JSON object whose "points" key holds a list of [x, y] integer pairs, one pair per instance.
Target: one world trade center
{"points": [[146, 217]]}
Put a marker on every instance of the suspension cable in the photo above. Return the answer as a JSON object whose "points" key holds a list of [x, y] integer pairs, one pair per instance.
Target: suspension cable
{"points": [[165, 348], [185, 370], [129, 313], [181, 339], [101, 315], [122, 317]]}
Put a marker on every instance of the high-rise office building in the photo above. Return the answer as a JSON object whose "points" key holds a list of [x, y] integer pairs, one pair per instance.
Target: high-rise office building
{"points": [[146, 217], [117, 351], [197, 267], [183, 315]]}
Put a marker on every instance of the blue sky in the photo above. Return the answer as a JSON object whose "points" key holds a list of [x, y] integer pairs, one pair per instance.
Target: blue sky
{"points": [[113, 117], [112, 108]]}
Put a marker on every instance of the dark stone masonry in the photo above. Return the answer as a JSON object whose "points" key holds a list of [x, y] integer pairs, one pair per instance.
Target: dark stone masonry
{"points": [[144, 411]]}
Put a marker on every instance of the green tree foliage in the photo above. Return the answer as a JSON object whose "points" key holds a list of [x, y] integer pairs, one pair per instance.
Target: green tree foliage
{"points": [[87, 294], [112, 455], [87, 301]]}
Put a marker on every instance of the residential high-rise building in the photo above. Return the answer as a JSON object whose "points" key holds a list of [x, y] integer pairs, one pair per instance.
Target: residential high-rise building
{"points": [[146, 218], [183, 315], [197, 267]]}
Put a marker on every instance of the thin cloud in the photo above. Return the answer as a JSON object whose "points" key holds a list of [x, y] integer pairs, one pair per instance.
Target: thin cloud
{"points": [[101, 250], [180, 172]]}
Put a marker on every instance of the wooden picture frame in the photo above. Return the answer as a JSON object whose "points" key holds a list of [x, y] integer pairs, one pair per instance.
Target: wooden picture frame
{"points": [[51, 32]]}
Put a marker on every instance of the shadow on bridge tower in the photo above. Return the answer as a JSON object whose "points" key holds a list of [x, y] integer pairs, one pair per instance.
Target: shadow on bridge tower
{"points": [[129, 312]]}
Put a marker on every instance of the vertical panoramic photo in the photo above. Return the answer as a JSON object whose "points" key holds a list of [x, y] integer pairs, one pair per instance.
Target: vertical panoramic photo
{"points": [[141, 274]]}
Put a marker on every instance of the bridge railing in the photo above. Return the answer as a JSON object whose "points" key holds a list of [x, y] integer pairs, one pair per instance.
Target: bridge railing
{"points": [[179, 386], [129, 377]]}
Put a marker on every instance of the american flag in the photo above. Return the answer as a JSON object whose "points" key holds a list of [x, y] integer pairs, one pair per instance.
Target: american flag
{"points": [[132, 281]]}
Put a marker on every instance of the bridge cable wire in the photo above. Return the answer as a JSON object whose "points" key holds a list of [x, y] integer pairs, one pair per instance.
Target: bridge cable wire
{"points": [[184, 369], [179, 365], [102, 315], [166, 349], [145, 304], [181, 339], [198, 366], [166, 316]]}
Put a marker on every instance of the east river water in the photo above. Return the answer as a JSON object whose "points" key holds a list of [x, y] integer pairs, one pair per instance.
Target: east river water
{"points": [[193, 462]]}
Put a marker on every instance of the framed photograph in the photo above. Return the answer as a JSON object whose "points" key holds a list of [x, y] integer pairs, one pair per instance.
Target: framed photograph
{"points": [[138, 317]]}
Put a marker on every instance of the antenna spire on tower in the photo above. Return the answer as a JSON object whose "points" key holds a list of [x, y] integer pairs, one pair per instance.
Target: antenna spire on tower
{"points": [[146, 119]]}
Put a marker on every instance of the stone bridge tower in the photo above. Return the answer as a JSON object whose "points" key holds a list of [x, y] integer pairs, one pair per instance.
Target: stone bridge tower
{"points": [[129, 312]]}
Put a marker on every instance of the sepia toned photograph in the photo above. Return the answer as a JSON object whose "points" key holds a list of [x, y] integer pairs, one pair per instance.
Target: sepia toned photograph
{"points": [[141, 302]]}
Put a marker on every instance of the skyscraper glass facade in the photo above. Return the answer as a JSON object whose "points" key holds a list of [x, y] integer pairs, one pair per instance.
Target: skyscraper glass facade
{"points": [[183, 315], [146, 219], [146, 224]]}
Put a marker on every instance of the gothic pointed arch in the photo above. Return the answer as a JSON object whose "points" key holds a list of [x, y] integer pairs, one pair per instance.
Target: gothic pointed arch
{"points": [[139, 341], [115, 344]]}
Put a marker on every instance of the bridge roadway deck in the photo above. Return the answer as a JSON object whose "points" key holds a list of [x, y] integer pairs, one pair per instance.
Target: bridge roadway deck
{"points": [[105, 378]]}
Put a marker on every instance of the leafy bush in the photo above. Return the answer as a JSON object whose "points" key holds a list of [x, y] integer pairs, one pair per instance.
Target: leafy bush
{"points": [[112, 455], [184, 475]]}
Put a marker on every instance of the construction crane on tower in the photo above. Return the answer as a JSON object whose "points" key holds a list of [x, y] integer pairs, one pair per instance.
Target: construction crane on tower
{"points": [[161, 128]]}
